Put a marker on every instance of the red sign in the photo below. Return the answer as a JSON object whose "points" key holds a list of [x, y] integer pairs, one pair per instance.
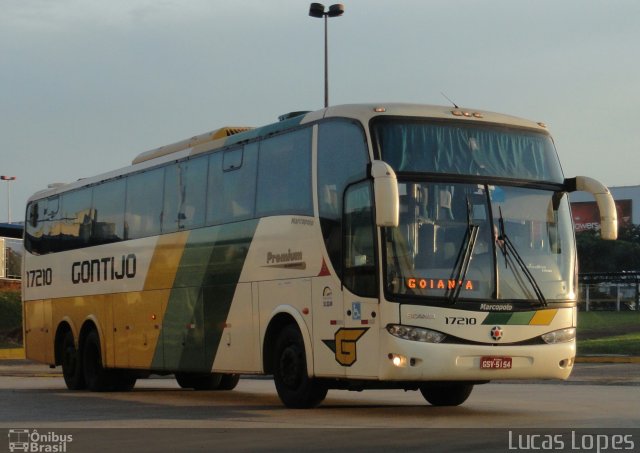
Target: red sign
{"points": [[586, 215]]}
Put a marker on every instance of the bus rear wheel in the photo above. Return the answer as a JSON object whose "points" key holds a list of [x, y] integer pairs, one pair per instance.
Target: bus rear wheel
{"points": [[295, 388], [123, 381], [446, 393], [96, 377], [71, 364], [229, 381]]}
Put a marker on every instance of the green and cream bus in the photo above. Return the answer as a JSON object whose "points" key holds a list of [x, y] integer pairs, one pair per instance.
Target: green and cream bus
{"points": [[360, 246]]}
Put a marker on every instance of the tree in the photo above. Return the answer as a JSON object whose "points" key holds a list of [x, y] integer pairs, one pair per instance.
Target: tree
{"points": [[597, 255]]}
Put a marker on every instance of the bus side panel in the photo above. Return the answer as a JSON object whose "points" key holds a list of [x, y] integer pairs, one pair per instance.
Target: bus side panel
{"points": [[182, 332], [38, 332], [238, 350], [294, 293], [199, 303], [136, 327]]}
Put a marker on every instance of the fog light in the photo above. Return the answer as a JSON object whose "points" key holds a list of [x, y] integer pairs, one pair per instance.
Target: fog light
{"points": [[566, 363], [398, 360]]}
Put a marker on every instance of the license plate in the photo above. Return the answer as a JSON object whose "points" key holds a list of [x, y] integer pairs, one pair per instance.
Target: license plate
{"points": [[495, 363]]}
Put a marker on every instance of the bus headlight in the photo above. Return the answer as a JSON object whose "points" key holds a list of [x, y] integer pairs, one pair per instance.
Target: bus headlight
{"points": [[415, 333], [560, 336]]}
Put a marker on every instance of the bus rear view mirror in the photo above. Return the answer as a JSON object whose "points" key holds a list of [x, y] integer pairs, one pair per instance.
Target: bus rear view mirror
{"points": [[385, 188], [604, 200]]}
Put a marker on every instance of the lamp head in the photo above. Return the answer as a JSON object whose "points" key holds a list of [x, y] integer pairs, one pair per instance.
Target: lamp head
{"points": [[316, 10], [336, 10]]}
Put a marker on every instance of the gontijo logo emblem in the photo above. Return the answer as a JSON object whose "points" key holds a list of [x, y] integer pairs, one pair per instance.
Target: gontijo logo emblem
{"points": [[344, 344]]}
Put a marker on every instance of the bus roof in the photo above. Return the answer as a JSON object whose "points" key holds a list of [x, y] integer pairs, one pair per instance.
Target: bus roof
{"points": [[226, 136]]}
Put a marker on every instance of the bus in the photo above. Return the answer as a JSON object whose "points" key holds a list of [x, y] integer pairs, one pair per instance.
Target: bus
{"points": [[381, 246]]}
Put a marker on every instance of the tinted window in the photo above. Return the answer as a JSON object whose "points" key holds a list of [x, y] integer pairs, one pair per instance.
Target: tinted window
{"points": [[185, 192], [284, 174], [232, 182], [77, 219], [359, 250], [342, 159], [144, 203], [43, 225], [421, 146], [108, 206]]}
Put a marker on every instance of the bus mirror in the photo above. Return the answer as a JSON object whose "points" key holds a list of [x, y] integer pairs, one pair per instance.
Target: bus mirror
{"points": [[606, 205], [385, 188]]}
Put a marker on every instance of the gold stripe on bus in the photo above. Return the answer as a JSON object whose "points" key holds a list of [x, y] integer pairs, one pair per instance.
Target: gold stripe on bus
{"points": [[543, 317], [165, 261]]}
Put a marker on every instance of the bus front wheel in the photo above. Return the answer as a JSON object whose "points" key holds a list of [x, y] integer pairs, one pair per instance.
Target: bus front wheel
{"points": [[295, 388], [446, 393]]}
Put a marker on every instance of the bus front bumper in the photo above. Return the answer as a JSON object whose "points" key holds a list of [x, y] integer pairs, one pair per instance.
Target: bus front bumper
{"points": [[405, 360]]}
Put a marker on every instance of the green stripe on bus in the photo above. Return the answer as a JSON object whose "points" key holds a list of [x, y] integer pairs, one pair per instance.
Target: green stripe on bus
{"points": [[497, 318], [200, 300], [514, 319], [522, 319]]}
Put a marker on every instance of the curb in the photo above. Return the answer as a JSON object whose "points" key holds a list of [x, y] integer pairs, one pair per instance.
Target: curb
{"points": [[608, 359], [12, 354]]}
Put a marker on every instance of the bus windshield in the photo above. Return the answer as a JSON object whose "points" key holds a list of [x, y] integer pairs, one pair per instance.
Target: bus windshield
{"points": [[453, 148], [480, 242]]}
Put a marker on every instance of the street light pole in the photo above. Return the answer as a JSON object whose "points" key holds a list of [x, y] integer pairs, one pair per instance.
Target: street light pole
{"points": [[8, 179], [318, 10]]}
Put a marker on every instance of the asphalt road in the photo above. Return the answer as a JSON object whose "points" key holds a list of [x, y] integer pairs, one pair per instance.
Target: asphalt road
{"points": [[159, 416]]}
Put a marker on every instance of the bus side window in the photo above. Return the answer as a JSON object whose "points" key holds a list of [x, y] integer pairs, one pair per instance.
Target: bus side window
{"points": [[77, 219], [108, 209], [35, 227], [144, 203], [184, 197], [51, 232], [232, 183], [284, 175]]}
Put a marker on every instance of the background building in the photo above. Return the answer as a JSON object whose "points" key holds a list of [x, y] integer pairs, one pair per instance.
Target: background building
{"points": [[11, 252]]}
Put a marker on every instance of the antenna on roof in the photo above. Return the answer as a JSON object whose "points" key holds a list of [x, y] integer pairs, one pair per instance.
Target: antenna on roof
{"points": [[447, 98]]}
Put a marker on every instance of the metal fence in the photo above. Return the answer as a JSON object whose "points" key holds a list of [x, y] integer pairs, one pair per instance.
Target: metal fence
{"points": [[610, 291]]}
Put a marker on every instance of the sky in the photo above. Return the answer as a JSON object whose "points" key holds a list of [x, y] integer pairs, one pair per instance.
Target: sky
{"points": [[86, 85]]}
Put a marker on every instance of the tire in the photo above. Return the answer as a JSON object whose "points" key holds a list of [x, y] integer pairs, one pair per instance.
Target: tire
{"points": [[229, 381], [71, 364], [199, 381], [446, 393], [96, 377], [295, 388], [123, 381]]}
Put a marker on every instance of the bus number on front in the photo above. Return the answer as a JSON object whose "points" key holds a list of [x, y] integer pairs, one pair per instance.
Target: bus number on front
{"points": [[460, 321]]}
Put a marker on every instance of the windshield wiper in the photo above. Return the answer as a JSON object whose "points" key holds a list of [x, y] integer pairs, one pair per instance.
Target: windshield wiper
{"points": [[506, 246], [463, 259]]}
